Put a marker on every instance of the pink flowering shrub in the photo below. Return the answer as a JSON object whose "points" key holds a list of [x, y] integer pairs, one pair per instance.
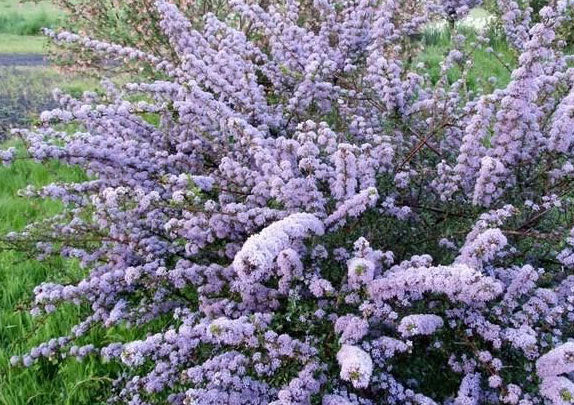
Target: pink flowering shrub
{"points": [[311, 220]]}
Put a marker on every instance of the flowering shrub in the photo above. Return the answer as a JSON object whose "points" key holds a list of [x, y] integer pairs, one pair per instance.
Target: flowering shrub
{"points": [[312, 219]]}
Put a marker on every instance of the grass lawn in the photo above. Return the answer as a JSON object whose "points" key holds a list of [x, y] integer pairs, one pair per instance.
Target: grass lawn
{"points": [[43, 384], [24, 92], [13, 43], [437, 43], [27, 18], [21, 24]]}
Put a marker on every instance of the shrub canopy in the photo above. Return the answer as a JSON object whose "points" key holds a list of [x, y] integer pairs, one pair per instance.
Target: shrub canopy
{"points": [[310, 219]]}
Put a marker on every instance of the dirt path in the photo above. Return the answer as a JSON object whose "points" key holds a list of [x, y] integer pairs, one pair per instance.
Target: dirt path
{"points": [[22, 59]]}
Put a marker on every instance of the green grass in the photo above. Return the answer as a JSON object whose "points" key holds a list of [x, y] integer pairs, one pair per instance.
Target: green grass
{"points": [[73, 383], [437, 43], [21, 24], [63, 382], [23, 92], [27, 18], [70, 383], [12, 43]]}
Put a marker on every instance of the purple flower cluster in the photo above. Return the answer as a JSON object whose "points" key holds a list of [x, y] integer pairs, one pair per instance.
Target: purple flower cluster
{"points": [[289, 202], [7, 156], [356, 365], [420, 324]]}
